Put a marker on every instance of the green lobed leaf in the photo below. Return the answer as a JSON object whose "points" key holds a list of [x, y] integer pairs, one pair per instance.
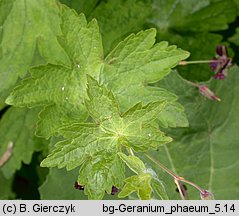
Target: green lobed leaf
{"points": [[63, 87], [140, 62], [139, 184], [17, 126], [133, 162], [24, 24], [207, 152], [94, 146]]}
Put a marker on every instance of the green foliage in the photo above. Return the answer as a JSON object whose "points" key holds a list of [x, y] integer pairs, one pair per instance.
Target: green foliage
{"points": [[189, 25], [60, 185], [94, 146], [19, 40], [6, 191], [82, 6], [98, 83], [206, 152], [138, 183], [17, 127], [64, 87], [123, 17], [235, 37], [133, 162], [63, 96]]}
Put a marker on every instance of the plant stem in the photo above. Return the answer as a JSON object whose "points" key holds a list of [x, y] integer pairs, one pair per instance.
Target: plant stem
{"points": [[197, 62], [177, 182], [162, 166], [7, 154], [177, 179]]}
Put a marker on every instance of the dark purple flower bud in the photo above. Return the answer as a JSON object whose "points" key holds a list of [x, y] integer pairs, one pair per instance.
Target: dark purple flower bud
{"points": [[78, 186], [206, 195], [220, 50], [114, 190], [204, 90], [221, 63]]}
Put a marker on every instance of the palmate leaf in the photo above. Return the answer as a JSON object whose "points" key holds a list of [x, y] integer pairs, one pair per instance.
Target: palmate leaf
{"points": [[189, 25], [206, 152], [94, 146], [17, 127], [63, 87], [140, 62], [23, 25]]}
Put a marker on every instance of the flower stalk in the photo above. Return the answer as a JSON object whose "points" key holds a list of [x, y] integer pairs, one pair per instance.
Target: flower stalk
{"points": [[204, 194]]}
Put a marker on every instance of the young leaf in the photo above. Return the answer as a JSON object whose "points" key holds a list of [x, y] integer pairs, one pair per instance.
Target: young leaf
{"points": [[94, 146], [133, 162], [138, 183], [17, 127]]}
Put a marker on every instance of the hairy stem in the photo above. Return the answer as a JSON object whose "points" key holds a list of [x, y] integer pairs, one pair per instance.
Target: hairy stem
{"points": [[177, 179], [197, 62]]}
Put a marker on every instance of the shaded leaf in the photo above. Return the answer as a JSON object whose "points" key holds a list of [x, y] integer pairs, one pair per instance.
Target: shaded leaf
{"points": [[206, 152], [6, 188], [82, 6], [124, 17], [189, 25], [59, 185], [235, 38], [17, 126]]}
